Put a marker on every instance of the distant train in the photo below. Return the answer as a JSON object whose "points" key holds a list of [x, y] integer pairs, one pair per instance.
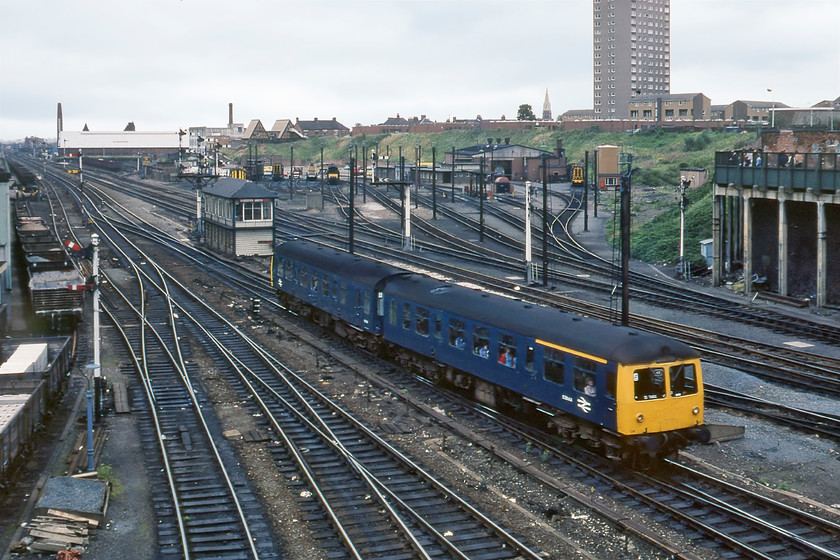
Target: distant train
{"points": [[312, 173], [277, 172], [332, 175], [636, 395], [577, 176]]}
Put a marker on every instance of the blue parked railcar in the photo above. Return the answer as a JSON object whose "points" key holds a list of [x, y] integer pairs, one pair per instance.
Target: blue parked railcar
{"points": [[533, 360], [638, 395], [335, 289]]}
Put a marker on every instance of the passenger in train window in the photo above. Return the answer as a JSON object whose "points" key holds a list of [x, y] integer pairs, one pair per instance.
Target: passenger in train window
{"points": [[507, 358], [484, 352], [589, 389]]}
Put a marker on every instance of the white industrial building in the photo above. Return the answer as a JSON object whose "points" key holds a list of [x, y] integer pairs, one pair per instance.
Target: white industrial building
{"points": [[127, 142]]}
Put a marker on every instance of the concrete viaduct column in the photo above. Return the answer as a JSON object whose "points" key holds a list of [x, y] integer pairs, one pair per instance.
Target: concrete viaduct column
{"points": [[747, 245], [822, 256], [783, 247]]}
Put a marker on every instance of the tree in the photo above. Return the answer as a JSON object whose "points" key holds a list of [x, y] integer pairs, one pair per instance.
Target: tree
{"points": [[526, 113]]}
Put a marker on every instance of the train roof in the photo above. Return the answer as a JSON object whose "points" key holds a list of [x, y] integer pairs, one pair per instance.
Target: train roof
{"points": [[353, 267], [587, 336]]}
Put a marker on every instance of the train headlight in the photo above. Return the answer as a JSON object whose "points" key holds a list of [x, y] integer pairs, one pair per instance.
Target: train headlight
{"points": [[695, 410], [640, 418]]}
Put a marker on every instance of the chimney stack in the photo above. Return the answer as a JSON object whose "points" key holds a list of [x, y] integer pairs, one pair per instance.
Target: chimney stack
{"points": [[59, 124], [230, 115]]}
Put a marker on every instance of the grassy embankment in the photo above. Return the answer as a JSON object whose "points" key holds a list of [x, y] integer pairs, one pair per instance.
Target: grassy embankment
{"points": [[657, 158]]}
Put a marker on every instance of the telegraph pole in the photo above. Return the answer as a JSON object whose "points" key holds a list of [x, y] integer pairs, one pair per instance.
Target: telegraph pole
{"points": [[351, 241], [481, 204], [586, 191], [545, 220], [434, 183], [453, 174], [529, 272], [627, 163]]}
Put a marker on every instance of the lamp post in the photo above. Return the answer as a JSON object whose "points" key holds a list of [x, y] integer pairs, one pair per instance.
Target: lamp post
{"points": [[94, 241], [91, 367], [772, 110], [685, 183]]}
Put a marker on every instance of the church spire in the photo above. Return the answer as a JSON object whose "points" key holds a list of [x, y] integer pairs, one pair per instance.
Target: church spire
{"points": [[546, 116]]}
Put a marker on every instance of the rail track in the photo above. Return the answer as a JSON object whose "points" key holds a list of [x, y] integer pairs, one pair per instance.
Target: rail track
{"points": [[738, 530]]}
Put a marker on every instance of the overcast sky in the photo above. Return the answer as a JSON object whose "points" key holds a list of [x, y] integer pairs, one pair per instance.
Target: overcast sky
{"points": [[169, 64]]}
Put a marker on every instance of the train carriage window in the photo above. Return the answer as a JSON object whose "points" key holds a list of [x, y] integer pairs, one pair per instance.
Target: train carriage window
{"points": [[406, 316], [304, 278], [481, 342], [288, 270], [325, 287], [683, 380], [456, 333], [584, 372], [438, 328], [421, 322], [554, 367], [507, 350], [649, 383], [612, 380], [358, 304], [529, 358], [392, 312], [342, 292], [366, 302], [314, 286]]}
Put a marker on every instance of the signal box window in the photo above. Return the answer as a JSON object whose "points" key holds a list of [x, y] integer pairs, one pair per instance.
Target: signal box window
{"points": [[421, 322], [683, 380], [456, 333], [554, 367], [481, 342], [649, 383]]}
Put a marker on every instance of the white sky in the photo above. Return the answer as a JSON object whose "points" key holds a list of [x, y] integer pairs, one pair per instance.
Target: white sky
{"points": [[169, 64]]}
